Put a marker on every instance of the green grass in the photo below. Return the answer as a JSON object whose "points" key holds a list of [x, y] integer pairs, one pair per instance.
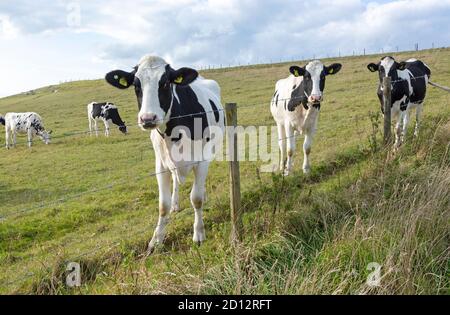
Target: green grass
{"points": [[303, 234]]}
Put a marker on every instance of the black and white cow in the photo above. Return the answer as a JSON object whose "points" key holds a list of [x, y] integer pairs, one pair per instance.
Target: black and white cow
{"points": [[295, 107], [409, 87], [182, 110], [108, 113], [29, 123]]}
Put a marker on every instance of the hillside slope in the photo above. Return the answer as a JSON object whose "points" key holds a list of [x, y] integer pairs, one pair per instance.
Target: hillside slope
{"points": [[92, 200]]}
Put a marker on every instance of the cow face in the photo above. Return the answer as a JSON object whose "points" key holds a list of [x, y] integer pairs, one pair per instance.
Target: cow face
{"points": [[387, 67], [153, 80], [45, 136], [314, 75]]}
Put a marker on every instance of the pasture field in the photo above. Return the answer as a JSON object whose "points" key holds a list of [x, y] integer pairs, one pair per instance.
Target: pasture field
{"points": [[93, 200]]}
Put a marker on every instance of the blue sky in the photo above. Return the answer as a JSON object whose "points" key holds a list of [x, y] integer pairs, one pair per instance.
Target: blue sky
{"points": [[48, 41]]}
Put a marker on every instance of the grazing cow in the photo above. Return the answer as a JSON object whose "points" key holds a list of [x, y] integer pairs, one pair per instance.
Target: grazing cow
{"points": [[295, 107], [182, 110], [409, 87], [108, 113], [29, 123]]}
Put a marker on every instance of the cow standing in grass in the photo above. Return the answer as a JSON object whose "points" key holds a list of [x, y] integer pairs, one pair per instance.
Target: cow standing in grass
{"points": [[182, 111], [108, 113], [28, 123], [295, 107], [408, 90]]}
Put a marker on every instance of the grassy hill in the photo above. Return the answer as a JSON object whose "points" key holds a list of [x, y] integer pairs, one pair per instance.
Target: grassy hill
{"points": [[91, 200]]}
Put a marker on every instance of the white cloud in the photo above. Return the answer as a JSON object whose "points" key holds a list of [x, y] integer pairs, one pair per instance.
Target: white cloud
{"points": [[7, 29], [202, 32]]}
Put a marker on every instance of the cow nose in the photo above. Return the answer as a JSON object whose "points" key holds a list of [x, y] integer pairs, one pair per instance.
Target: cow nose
{"points": [[148, 120], [316, 98]]}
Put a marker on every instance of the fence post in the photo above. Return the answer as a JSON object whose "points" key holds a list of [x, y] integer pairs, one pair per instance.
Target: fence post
{"points": [[387, 109], [235, 181]]}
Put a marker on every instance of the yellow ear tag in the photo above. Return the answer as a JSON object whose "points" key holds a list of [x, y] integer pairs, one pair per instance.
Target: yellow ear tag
{"points": [[296, 73], [331, 71], [123, 82], [178, 80]]}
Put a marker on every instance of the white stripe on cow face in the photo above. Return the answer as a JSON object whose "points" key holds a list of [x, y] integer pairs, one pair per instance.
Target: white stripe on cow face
{"points": [[316, 70], [387, 63], [152, 113]]}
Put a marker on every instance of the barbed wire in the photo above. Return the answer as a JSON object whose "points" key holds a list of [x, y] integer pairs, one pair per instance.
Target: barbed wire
{"points": [[110, 186], [42, 205]]}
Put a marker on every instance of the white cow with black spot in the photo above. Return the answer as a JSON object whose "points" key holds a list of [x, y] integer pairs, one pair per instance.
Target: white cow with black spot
{"points": [[184, 115], [295, 107], [26, 123]]}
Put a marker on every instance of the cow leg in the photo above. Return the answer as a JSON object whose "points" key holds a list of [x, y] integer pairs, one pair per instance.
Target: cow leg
{"points": [[14, 138], [290, 139], [307, 151], [398, 130], [90, 127], [419, 111], [30, 137], [96, 127], [197, 199], [282, 144], [406, 119], [7, 137], [163, 179], [106, 127], [175, 193]]}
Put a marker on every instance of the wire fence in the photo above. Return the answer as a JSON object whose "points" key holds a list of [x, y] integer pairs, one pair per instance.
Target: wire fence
{"points": [[42, 205]]}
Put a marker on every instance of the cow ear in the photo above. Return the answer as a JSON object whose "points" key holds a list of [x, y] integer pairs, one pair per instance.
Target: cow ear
{"points": [[120, 79], [401, 66], [297, 71], [183, 76], [333, 69], [372, 67]]}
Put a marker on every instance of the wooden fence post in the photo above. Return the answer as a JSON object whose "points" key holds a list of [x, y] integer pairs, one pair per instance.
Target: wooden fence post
{"points": [[387, 105], [235, 181]]}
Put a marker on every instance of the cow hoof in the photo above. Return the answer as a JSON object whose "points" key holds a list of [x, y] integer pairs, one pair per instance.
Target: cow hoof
{"points": [[175, 209], [199, 237]]}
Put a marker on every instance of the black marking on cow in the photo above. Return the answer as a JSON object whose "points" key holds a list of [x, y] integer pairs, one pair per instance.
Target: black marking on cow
{"points": [[165, 94], [97, 109], [317, 106], [185, 111], [138, 91], [294, 87], [215, 110], [2, 121], [298, 97]]}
